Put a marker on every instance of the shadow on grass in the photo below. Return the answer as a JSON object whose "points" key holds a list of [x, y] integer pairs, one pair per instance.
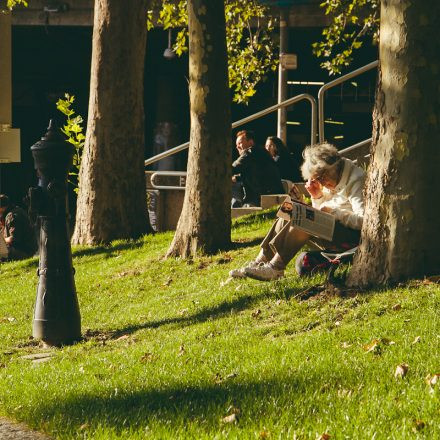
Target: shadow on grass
{"points": [[174, 407], [98, 250], [209, 313], [245, 243], [32, 263]]}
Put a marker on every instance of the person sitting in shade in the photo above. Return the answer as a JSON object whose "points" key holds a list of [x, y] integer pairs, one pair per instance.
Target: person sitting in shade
{"points": [[335, 185], [16, 230], [287, 166], [253, 173]]}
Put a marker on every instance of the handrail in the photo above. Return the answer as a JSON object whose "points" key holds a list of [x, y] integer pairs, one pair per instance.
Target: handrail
{"points": [[167, 173], [355, 146], [334, 83], [286, 103]]}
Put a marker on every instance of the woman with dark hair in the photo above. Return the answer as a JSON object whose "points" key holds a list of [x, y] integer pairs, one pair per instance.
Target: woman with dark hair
{"points": [[284, 160]]}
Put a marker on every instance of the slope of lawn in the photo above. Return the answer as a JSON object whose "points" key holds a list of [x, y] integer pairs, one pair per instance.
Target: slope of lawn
{"points": [[172, 351]]}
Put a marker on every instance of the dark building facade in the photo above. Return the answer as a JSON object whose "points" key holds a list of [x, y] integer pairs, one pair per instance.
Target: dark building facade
{"points": [[51, 55]]}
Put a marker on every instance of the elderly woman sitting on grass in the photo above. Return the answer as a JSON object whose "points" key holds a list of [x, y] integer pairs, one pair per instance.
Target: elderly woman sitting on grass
{"points": [[335, 185]]}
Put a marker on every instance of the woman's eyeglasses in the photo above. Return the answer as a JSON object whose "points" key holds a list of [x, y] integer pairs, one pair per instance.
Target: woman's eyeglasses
{"points": [[321, 179]]}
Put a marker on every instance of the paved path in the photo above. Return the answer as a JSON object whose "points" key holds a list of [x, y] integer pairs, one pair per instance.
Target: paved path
{"points": [[18, 431]]}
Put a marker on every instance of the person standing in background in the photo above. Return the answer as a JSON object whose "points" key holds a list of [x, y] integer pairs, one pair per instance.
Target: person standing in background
{"points": [[253, 173]]}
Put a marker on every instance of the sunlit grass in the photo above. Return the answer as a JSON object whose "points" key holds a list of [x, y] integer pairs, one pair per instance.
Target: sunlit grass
{"points": [[169, 351]]}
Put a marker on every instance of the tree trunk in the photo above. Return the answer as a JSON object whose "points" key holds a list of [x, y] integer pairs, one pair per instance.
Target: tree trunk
{"points": [[205, 222], [112, 194], [400, 234]]}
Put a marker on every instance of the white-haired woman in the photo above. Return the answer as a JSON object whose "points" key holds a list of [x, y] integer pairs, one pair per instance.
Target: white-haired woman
{"points": [[335, 185]]}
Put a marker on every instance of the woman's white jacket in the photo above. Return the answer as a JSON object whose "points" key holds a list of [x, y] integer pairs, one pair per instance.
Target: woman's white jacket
{"points": [[346, 201]]}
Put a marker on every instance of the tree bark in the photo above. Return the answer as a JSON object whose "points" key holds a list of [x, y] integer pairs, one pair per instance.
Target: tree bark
{"points": [[400, 234], [205, 223], [112, 194]]}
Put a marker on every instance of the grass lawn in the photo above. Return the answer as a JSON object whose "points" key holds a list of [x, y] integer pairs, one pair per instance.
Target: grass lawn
{"points": [[170, 351]]}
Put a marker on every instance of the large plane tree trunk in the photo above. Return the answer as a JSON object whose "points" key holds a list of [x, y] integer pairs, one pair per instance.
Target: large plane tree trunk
{"points": [[205, 222], [400, 235], [112, 194]]}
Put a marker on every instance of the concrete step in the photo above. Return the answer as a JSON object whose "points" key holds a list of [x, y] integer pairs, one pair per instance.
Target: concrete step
{"points": [[238, 212], [267, 201]]}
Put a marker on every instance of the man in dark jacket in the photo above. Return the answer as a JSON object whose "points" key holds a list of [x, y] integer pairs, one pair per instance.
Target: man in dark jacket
{"points": [[16, 229], [254, 172]]}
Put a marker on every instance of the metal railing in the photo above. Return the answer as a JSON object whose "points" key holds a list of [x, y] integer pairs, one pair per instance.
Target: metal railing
{"points": [[361, 144], [286, 103], [334, 83], [317, 118], [180, 174]]}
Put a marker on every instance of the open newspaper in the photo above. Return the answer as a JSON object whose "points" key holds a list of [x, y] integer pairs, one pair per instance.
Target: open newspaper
{"points": [[315, 222], [3, 247]]}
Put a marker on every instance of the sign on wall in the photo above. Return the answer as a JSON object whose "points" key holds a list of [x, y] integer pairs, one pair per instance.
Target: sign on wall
{"points": [[9, 145], [288, 61]]}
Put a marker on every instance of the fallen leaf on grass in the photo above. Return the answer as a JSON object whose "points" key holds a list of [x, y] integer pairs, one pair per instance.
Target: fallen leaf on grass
{"points": [[167, 282], [181, 350], [122, 338], [225, 259], [83, 426], [7, 319], [418, 425], [324, 436], [343, 393], [386, 341], [256, 313], [264, 434], [203, 264], [376, 345], [417, 340], [148, 357], [183, 312], [311, 325], [401, 371], [233, 409], [324, 388], [433, 279], [230, 419], [127, 273], [373, 347], [346, 345], [227, 281], [218, 379], [432, 380], [396, 307]]}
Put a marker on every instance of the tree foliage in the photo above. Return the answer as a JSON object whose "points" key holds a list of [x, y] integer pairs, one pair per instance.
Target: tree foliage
{"points": [[252, 51], [352, 22], [10, 4], [73, 129]]}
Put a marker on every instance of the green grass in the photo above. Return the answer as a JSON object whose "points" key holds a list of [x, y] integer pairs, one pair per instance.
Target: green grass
{"points": [[169, 351]]}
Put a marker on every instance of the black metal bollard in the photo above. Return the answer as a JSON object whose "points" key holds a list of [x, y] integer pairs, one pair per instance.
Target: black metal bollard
{"points": [[57, 318]]}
